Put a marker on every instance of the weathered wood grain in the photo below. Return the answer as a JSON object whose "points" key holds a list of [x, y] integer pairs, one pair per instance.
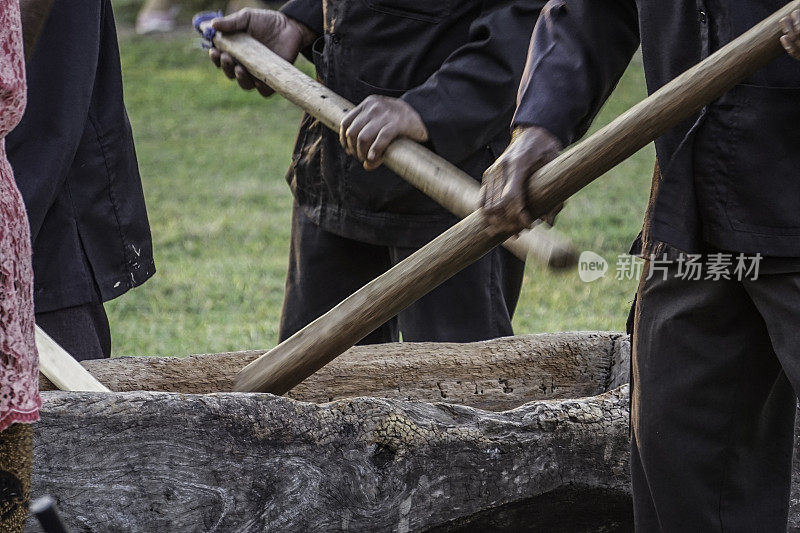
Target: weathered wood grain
{"points": [[142, 461], [153, 461], [145, 461], [326, 338], [495, 375], [439, 179]]}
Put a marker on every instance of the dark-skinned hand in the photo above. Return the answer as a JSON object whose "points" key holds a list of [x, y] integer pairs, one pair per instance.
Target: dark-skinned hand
{"points": [[504, 189], [367, 130], [281, 34], [791, 34]]}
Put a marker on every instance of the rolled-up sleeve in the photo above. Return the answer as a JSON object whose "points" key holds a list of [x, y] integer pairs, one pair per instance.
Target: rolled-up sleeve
{"points": [[577, 54], [469, 100]]}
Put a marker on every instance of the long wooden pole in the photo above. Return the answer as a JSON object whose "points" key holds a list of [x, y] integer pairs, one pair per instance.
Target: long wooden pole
{"points": [[293, 360], [442, 181], [62, 369]]}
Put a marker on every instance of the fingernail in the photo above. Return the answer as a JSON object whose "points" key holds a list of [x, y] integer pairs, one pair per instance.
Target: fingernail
{"points": [[371, 155]]}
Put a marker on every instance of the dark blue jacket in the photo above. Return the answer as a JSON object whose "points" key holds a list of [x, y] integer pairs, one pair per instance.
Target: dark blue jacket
{"points": [[75, 164], [457, 62], [731, 174]]}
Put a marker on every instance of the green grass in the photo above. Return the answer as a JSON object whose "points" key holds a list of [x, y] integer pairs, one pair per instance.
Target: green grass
{"points": [[213, 160]]}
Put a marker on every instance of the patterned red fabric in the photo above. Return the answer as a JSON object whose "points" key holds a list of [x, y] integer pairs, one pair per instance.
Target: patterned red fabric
{"points": [[19, 364]]}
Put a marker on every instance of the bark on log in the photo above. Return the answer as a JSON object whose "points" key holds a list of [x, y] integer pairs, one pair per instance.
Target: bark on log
{"points": [[155, 461], [145, 461]]}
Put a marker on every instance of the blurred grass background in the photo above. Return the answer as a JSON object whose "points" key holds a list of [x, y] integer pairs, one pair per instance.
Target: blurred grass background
{"points": [[213, 160]]}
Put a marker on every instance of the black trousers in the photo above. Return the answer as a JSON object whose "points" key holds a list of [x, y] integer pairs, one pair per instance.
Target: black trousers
{"points": [[82, 330], [324, 269], [716, 365]]}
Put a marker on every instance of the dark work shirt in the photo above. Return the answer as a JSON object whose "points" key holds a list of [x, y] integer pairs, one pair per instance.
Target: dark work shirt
{"points": [[75, 164], [457, 63], [730, 175]]}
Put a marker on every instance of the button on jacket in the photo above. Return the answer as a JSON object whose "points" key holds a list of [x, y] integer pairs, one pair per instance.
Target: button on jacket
{"points": [[730, 174], [75, 165], [457, 63]]}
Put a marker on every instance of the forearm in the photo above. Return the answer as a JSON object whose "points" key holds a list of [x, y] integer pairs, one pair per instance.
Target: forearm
{"points": [[578, 52], [34, 14]]}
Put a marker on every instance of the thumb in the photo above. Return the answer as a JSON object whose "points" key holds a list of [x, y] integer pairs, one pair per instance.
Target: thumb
{"points": [[233, 23], [419, 132]]}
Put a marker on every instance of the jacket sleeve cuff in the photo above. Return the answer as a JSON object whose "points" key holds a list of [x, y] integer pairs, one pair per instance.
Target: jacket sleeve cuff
{"points": [[540, 111], [309, 12], [444, 136]]}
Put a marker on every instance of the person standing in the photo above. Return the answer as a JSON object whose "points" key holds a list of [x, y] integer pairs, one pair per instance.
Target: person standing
{"points": [[19, 364], [716, 358], [76, 167], [440, 73]]}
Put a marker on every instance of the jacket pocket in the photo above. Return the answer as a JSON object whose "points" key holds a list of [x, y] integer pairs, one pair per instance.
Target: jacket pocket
{"points": [[431, 11], [761, 159], [317, 49]]}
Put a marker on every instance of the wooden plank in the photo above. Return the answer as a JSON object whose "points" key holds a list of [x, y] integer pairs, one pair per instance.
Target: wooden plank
{"points": [[62, 369], [445, 183], [308, 350]]}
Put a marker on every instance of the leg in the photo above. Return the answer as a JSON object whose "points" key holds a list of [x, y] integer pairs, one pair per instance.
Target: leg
{"points": [[712, 412], [324, 269], [16, 465], [777, 298], [475, 304], [83, 330]]}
